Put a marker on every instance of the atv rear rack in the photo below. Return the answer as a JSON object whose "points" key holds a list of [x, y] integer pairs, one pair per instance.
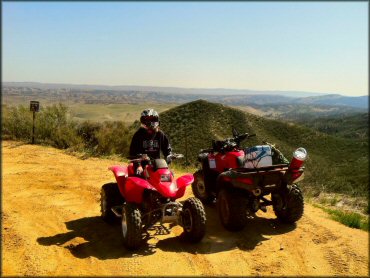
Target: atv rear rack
{"points": [[272, 168]]}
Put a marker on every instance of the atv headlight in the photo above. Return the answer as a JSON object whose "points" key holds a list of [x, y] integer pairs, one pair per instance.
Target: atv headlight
{"points": [[173, 186], [165, 178]]}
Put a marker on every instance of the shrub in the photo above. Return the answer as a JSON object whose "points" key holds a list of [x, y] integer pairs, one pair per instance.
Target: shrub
{"points": [[52, 125], [113, 138], [55, 127], [87, 131], [17, 122]]}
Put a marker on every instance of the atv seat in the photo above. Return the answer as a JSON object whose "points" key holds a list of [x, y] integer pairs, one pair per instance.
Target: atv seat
{"points": [[159, 164]]}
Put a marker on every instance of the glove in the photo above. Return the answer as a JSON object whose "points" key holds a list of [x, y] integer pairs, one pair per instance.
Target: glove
{"points": [[139, 171]]}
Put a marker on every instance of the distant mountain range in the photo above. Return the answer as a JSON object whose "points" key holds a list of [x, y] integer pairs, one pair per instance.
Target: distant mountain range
{"points": [[336, 99], [130, 94], [172, 90]]}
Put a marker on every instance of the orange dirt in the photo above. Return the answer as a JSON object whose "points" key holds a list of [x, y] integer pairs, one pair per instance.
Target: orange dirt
{"points": [[51, 226]]}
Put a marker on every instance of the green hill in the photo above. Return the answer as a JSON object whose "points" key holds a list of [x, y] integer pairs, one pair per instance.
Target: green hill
{"points": [[347, 126], [334, 164]]}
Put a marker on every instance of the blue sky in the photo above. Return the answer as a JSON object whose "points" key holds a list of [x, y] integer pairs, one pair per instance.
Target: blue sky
{"points": [[303, 46]]}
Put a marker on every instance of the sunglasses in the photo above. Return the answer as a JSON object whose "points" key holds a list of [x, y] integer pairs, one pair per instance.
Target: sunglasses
{"points": [[151, 118]]}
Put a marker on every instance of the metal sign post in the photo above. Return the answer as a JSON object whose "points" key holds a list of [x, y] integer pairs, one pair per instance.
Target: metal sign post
{"points": [[34, 107]]}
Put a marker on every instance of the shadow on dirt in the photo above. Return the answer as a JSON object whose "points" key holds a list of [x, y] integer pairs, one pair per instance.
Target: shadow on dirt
{"points": [[218, 239], [92, 237]]}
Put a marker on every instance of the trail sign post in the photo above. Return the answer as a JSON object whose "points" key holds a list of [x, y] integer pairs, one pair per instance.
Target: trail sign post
{"points": [[34, 107]]}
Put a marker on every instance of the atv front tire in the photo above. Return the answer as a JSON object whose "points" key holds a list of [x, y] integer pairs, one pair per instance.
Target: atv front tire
{"points": [[232, 209], [131, 226], [199, 188], [193, 220], [110, 196], [289, 205]]}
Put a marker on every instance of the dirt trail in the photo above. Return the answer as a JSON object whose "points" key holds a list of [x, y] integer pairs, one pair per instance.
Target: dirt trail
{"points": [[51, 226]]}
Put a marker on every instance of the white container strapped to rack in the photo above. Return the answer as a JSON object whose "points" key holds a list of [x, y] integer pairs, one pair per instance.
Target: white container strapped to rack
{"points": [[258, 156]]}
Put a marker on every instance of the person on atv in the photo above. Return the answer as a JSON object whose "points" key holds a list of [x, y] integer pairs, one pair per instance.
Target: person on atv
{"points": [[149, 140]]}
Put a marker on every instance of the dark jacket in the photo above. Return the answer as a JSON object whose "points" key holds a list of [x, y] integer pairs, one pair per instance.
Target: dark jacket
{"points": [[151, 144]]}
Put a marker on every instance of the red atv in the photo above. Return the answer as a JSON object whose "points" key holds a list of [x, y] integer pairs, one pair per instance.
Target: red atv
{"points": [[142, 202], [240, 179]]}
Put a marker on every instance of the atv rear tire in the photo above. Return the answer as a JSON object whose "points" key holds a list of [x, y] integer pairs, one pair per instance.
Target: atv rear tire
{"points": [[193, 220], [110, 196], [289, 205], [199, 188], [131, 226], [232, 209]]}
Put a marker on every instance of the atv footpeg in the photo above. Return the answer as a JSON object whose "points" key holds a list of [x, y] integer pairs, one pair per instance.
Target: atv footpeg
{"points": [[117, 210]]}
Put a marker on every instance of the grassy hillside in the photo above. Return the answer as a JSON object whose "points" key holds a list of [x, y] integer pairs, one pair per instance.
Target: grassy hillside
{"points": [[299, 112], [351, 126], [199, 122], [334, 165]]}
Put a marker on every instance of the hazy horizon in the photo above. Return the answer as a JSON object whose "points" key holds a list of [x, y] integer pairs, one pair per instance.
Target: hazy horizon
{"points": [[297, 46], [220, 91]]}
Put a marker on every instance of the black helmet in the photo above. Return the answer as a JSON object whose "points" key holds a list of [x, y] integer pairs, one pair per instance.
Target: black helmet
{"points": [[150, 118]]}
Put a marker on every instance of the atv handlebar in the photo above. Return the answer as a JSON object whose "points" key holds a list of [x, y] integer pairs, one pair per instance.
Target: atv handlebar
{"points": [[175, 156], [145, 157], [140, 157], [242, 137], [228, 143]]}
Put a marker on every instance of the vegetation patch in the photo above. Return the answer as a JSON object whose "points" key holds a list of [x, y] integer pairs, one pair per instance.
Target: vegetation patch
{"points": [[54, 126], [350, 219]]}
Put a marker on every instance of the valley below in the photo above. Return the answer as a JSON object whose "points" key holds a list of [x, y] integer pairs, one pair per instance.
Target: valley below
{"points": [[51, 226]]}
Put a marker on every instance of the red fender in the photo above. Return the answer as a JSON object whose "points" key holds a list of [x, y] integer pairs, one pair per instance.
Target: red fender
{"points": [[120, 173], [119, 170], [182, 182], [134, 188]]}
